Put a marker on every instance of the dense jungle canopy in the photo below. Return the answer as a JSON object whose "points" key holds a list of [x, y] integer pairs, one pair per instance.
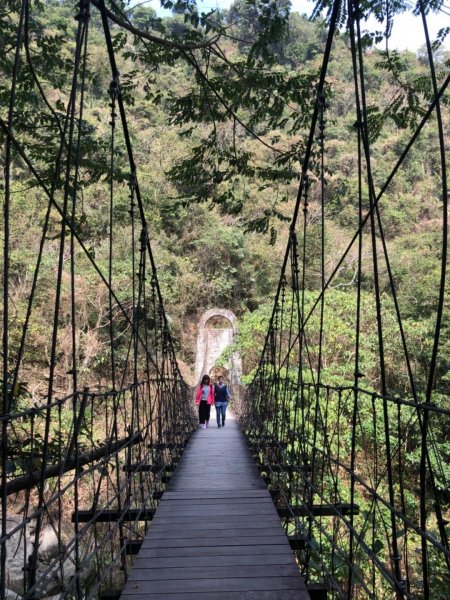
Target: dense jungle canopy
{"points": [[218, 106]]}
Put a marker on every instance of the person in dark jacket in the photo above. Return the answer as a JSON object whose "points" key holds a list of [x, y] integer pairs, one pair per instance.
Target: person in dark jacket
{"points": [[221, 397]]}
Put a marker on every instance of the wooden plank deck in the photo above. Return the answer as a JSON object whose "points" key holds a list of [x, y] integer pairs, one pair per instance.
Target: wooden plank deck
{"points": [[216, 534]]}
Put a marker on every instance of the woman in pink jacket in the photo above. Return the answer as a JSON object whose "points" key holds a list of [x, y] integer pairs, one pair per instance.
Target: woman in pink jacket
{"points": [[204, 398]]}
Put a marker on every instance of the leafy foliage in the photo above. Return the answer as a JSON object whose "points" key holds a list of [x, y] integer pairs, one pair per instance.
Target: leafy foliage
{"points": [[219, 130]]}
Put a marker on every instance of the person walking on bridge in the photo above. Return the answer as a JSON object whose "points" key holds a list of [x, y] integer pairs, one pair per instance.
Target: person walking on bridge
{"points": [[204, 398], [221, 397]]}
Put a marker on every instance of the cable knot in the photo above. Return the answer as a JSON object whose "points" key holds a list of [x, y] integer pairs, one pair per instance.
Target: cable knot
{"points": [[357, 12], [322, 100], [132, 180], [113, 89], [305, 182], [83, 11], [144, 237]]}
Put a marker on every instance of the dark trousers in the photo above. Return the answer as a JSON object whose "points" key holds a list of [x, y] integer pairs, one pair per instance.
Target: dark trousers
{"points": [[204, 411]]}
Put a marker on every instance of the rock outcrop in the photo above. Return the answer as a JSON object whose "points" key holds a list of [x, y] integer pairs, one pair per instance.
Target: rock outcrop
{"points": [[54, 568]]}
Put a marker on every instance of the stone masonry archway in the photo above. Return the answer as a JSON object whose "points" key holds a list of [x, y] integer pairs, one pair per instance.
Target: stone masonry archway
{"points": [[217, 329]]}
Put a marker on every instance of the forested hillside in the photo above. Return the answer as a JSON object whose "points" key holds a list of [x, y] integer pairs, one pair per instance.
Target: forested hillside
{"points": [[188, 154], [218, 136]]}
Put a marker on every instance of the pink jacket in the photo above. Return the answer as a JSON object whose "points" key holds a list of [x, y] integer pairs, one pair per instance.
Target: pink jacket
{"points": [[198, 395]]}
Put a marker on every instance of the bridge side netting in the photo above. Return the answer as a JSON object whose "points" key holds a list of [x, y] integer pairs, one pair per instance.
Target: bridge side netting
{"points": [[83, 462], [356, 455]]}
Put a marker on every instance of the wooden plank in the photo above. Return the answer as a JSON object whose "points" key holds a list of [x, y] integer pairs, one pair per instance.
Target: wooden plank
{"points": [[193, 465], [209, 525], [174, 504], [143, 562], [216, 533], [218, 509], [219, 485], [248, 595], [112, 594], [212, 551], [190, 457], [109, 516], [194, 476], [216, 571], [197, 469], [217, 519], [229, 584], [132, 547], [207, 493], [198, 461], [195, 461], [149, 542]]}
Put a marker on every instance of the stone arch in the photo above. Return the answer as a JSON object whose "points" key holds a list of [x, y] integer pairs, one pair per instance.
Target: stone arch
{"points": [[218, 322], [212, 341], [215, 372], [217, 312]]}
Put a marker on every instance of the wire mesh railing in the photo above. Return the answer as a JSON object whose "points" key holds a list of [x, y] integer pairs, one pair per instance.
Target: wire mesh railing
{"points": [[359, 467], [86, 457], [348, 427]]}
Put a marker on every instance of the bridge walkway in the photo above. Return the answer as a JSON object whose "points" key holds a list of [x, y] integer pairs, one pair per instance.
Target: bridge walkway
{"points": [[216, 533]]}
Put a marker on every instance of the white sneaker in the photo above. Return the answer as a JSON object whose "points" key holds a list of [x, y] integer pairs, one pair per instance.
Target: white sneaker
{"points": [[204, 426]]}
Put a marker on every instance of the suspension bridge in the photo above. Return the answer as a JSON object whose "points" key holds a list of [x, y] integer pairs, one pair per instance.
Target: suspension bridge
{"points": [[111, 492]]}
